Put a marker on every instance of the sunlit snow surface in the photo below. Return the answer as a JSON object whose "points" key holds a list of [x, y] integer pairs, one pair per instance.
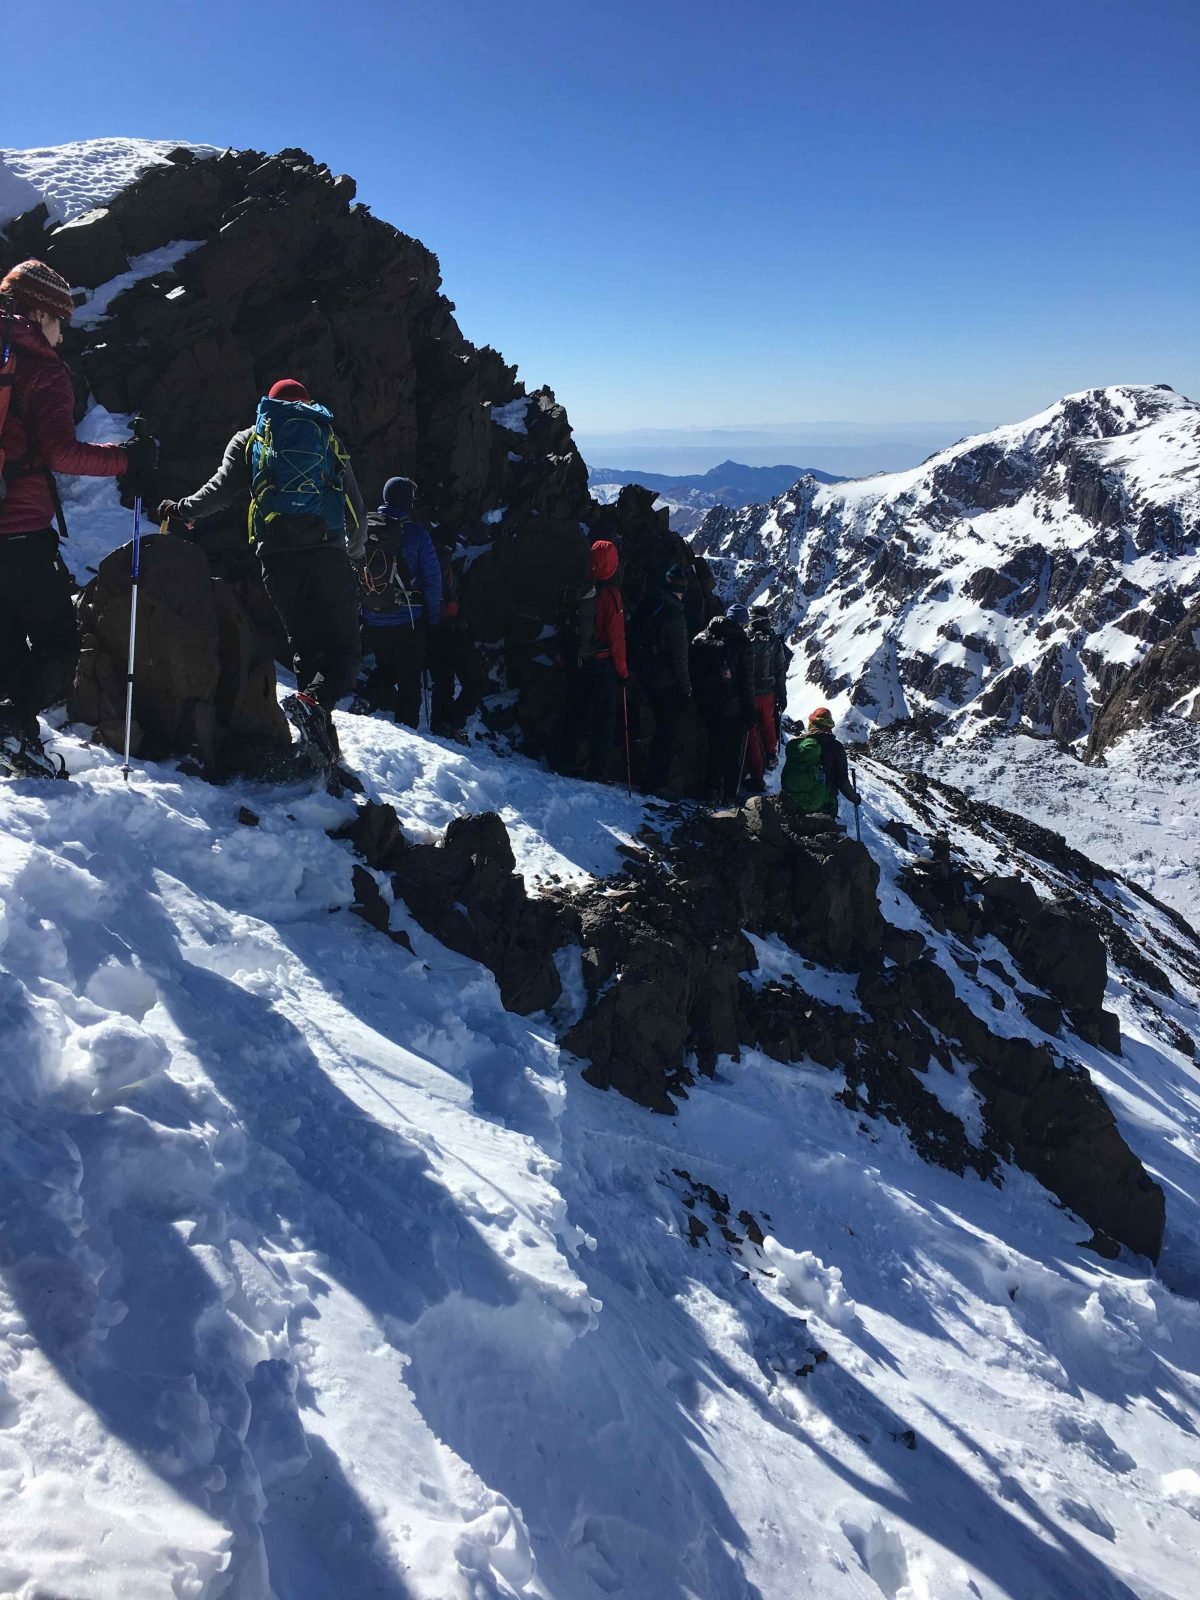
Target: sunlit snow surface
{"points": [[325, 1276], [79, 176]]}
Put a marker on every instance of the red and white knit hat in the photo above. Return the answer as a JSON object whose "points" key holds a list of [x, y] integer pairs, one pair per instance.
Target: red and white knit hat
{"points": [[36, 287]]}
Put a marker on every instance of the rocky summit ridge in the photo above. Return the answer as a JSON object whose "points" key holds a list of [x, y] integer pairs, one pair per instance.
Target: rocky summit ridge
{"points": [[1010, 582]]}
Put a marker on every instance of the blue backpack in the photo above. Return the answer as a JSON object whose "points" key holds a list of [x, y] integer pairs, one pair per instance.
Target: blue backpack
{"points": [[297, 470]]}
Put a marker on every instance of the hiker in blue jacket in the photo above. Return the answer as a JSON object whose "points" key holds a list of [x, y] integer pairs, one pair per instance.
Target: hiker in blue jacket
{"points": [[401, 599]]}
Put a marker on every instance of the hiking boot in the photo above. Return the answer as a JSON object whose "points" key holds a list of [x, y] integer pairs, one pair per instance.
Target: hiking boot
{"points": [[313, 724], [449, 730], [22, 757]]}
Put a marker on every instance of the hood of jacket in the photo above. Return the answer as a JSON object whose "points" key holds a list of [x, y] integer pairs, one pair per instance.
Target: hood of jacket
{"points": [[604, 561]]}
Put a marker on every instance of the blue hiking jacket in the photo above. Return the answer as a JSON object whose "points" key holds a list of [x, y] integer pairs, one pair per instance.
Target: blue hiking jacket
{"points": [[422, 561]]}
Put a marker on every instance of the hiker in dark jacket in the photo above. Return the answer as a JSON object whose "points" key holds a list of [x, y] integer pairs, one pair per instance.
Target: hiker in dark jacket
{"points": [[816, 770], [401, 601], [38, 642], [305, 540], [771, 657], [723, 683], [598, 668], [451, 653], [661, 657]]}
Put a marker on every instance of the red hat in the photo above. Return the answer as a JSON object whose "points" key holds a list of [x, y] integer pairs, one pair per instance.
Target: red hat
{"points": [[822, 717], [36, 287], [288, 389]]}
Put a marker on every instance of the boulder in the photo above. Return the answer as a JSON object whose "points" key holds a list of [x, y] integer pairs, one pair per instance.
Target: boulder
{"points": [[204, 676], [1060, 950], [467, 893]]}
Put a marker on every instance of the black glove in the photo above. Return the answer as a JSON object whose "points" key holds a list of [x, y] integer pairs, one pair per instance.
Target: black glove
{"points": [[856, 799], [141, 453]]}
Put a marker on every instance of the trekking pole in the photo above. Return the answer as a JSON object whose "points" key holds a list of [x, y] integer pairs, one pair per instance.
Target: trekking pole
{"points": [[741, 764], [858, 808], [133, 611], [628, 759]]}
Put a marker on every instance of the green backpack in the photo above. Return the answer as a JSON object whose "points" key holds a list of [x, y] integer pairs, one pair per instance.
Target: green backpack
{"points": [[803, 780]]}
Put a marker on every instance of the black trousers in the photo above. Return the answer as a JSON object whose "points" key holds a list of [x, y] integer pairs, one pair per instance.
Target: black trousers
{"points": [[451, 655], [666, 704], [394, 683], [39, 644], [316, 595], [591, 710], [726, 753]]}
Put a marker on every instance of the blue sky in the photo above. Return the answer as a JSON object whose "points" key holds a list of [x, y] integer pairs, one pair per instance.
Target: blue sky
{"points": [[700, 215]]}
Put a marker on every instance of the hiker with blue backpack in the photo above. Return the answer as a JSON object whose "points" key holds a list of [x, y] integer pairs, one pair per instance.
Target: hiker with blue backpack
{"points": [[815, 769], [307, 525], [401, 600]]}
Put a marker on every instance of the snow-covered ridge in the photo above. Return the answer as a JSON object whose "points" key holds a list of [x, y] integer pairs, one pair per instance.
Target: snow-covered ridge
{"points": [[80, 176], [1002, 583]]}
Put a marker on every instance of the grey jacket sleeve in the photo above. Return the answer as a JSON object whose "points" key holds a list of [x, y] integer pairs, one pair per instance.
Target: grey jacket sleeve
{"points": [[230, 479], [356, 517]]}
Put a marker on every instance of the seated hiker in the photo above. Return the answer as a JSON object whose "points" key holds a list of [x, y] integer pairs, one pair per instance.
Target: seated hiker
{"points": [[401, 599], [659, 648], [592, 643], [301, 487], [723, 683], [38, 641], [815, 769], [451, 653]]}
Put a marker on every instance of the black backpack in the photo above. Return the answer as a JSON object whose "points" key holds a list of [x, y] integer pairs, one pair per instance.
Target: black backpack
{"points": [[577, 640], [387, 582]]}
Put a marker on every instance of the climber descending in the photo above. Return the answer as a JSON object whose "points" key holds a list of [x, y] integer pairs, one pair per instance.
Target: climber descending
{"points": [[815, 770], [301, 486], [723, 682], [38, 643], [592, 648]]}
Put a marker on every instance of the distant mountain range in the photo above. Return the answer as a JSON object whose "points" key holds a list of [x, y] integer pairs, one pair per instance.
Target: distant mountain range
{"points": [[690, 495]]}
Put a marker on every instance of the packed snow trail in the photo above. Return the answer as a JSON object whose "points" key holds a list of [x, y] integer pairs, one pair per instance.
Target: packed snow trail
{"points": [[323, 1274]]}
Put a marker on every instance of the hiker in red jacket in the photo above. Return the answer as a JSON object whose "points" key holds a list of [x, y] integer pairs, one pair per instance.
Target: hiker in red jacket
{"points": [[38, 643], [599, 665]]}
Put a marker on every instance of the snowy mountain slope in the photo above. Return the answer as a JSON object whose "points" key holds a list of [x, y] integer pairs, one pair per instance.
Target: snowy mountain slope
{"points": [[1005, 583], [79, 176], [1137, 813], [323, 1274]]}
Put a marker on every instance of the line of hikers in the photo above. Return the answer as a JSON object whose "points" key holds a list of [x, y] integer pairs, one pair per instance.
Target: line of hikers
{"points": [[734, 671], [348, 584]]}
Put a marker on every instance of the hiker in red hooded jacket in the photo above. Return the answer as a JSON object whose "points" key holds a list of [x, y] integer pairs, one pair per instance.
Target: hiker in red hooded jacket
{"points": [[38, 643], [596, 664]]}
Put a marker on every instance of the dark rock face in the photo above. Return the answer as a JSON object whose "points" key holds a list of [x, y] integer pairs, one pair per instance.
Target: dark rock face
{"points": [[204, 678], [1060, 950], [1165, 676]]}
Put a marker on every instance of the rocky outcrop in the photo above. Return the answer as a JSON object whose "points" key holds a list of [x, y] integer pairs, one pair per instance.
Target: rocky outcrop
{"points": [[466, 892], [1166, 680], [670, 986], [274, 271], [204, 676]]}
